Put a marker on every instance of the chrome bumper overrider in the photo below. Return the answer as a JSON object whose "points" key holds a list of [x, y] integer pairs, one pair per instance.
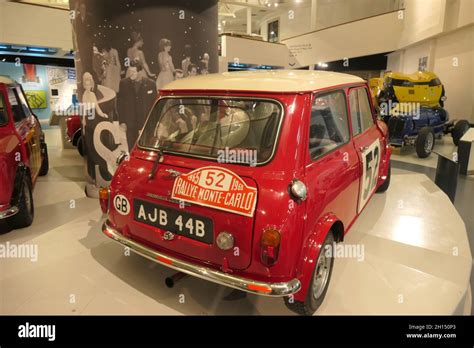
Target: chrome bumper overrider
{"points": [[248, 285], [9, 211]]}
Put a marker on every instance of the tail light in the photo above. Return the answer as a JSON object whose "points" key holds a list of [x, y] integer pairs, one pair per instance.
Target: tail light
{"points": [[270, 244], [104, 194]]}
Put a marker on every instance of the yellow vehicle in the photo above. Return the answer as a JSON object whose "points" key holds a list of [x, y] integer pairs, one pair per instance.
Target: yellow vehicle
{"points": [[412, 105], [422, 87], [375, 85]]}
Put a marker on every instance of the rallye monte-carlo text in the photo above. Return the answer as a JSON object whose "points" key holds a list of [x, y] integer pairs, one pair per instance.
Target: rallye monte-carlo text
{"points": [[245, 179]]}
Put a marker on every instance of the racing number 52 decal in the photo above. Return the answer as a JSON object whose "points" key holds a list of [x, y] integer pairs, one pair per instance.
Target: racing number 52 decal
{"points": [[370, 172]]}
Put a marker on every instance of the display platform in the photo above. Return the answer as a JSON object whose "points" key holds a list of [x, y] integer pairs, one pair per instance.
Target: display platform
{"points": [[416, 260]]}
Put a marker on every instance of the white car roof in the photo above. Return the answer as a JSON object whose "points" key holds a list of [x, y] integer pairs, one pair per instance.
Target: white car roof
{"points": [[265, 81], [6, 80]]}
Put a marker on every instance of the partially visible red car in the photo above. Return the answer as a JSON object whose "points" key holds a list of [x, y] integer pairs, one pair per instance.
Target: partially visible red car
{"points": [[74, 133], [23, 155], [248, 179]]}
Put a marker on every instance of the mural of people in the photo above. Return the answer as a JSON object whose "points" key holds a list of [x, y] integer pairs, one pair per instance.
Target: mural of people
{"points": [[135, 54], [166, 64], [192, 70], [83, 30], [132, 63], [99, 63], [178, 74], [112, 68], [187, 59], [136, 96], [89, 98], [205, 64]]}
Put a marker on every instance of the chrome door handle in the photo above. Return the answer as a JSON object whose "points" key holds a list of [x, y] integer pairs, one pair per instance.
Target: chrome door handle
{"points": [[363, 148], [173, 173]]}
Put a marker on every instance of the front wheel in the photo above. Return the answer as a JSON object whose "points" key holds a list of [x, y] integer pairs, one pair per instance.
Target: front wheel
{"points": [[319, 282], [24, 217], [424, 142]]}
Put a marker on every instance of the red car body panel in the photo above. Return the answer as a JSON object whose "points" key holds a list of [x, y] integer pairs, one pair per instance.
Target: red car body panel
{"points": [[73, 125], [20, 144], [333, 184]]}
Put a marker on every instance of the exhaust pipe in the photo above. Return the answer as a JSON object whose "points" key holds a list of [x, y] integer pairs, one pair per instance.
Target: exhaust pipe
{"points": [[172, 280]]}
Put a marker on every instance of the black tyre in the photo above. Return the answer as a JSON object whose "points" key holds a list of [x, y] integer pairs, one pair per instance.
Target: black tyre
{"points": [[80, 146], [425, 142], [386, 184], [460, 128], [319, 281], [45, 164], [26, 210]]}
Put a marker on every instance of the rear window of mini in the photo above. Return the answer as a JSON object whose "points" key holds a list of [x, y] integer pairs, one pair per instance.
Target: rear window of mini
{"points": [[206, 127]]}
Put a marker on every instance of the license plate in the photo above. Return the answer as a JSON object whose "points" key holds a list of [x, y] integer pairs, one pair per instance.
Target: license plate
{"points": [[174, 220]]}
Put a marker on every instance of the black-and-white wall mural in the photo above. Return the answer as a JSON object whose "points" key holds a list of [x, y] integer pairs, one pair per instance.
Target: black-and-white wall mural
{"points": [[125, 52]]}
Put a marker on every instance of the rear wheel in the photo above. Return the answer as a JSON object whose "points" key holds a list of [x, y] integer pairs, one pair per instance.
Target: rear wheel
{"points": [[319, 282], [26, 210], [424, 142], [460, 128]]}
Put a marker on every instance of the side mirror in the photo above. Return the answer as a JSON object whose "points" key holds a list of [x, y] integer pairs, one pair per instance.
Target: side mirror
{"points": [[123, 155]]}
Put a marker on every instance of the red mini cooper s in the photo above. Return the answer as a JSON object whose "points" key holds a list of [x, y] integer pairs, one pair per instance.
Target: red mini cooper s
{"points": [[23, 155], [245, 179], [74, 132]]}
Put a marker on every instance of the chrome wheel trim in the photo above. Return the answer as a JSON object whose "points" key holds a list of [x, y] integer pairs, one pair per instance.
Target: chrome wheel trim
{"points": [[429, 142], [321, 273]]}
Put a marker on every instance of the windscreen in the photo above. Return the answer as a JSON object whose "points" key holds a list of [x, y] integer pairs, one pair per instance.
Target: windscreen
{"points": [[213, 127]]}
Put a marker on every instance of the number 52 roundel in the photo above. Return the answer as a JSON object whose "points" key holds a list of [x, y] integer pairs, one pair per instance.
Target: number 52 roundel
{"points": [[370, 172], [217, 188]]}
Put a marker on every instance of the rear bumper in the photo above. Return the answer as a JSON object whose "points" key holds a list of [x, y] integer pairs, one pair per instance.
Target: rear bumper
{"points": [[7, 211], [247, 285]]}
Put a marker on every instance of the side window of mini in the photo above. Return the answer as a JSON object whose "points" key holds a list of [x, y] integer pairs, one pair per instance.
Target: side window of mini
{"points": [[329, 127], [23, 101], [3, 111], [16, 105], [361, 114]]}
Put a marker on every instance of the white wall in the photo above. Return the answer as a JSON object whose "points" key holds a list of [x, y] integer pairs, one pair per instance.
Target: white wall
{"points": [[34, 25], [453, 48], [247, 51], [422, 19], [458, 14], [370, 36], [412, 56], [336, 12], [328, 13]]}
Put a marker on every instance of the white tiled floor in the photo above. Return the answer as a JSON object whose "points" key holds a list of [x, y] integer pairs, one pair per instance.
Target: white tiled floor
{"points": [[80, 271]]}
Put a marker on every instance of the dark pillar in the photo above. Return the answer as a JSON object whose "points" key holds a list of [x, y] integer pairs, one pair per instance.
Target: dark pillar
{"points": [[126, 50]]}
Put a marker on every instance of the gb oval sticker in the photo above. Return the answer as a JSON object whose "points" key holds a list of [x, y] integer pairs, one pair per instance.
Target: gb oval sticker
{"points": [[217, 188], [122, 205]]}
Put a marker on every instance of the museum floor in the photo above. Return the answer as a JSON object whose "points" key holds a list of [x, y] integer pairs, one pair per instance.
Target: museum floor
{"points": [[80, 271]]}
